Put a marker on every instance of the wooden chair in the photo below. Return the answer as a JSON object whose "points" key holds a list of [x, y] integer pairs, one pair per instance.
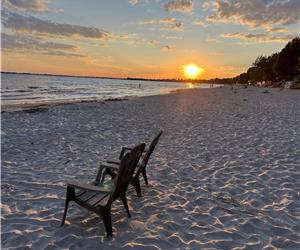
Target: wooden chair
{"points": [[98, 197], [141, 167]]}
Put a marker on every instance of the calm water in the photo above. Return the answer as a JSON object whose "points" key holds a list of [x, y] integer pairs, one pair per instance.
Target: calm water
{"points": [[22, 88]]}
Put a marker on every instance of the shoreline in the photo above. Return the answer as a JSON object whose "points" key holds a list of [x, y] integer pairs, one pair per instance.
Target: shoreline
{"points": [[49, 104], [54, 103]]}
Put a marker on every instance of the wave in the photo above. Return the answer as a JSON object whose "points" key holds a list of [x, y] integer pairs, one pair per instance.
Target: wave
{"points": [[21, 88]]}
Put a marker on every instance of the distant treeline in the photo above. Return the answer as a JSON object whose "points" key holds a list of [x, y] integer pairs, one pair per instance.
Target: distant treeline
{"points": [[273, 70]]}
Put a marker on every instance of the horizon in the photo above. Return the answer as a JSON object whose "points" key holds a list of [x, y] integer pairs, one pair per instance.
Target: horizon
{"points": [[143, 39], [106, 77]]}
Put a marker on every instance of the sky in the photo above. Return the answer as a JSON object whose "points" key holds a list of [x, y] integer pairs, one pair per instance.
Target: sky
{"points": [[143, 38]]}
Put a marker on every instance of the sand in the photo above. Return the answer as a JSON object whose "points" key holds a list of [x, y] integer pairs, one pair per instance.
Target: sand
{"points": [[225, 174]]}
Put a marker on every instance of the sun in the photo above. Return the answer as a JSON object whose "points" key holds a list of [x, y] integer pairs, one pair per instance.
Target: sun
{"points": [[192, 71]]}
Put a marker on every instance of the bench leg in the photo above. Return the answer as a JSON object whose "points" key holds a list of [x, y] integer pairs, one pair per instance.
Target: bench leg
{"points": [[69, 197], [106, 215], [124, 200], [145, 176], [136, 184]]}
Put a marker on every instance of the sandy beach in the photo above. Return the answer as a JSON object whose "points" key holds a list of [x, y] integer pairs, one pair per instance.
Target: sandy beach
{"points": [[225, 174]]}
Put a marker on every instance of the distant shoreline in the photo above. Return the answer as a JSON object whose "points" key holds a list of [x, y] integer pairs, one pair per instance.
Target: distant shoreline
{"points": [[105, 77]]}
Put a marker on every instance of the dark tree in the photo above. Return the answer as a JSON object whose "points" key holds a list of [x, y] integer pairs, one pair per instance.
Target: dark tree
{"points": [[288, 59], [255, 74], [242, 78], [284, 65], [266, 64], [269, 73]]}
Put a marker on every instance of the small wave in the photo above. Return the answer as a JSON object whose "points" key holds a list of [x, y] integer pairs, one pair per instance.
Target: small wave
{"points": [[15, 91], [33, 87], [58, 91], [13, 98], [19, 88]]}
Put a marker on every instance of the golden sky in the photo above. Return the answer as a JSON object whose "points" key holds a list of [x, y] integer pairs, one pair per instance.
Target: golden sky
{"points": [[142, 38]]}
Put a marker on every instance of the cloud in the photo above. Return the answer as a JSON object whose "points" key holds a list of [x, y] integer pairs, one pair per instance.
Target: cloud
{"points": [[207, 4], [200, 23], [154, 42], [133, 2], [34, 25], [18, 41], [30, 44], [256, 13], [26, 5], [257, 38], [179, 6], [125, 37], [170, 24], [156, 21], [167, 48], [212, 40], [59, 53], [178, 26], [278, 30], [160, 45], [172, 37]]}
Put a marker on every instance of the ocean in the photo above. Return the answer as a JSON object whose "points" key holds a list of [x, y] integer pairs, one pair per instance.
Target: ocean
{"points": [[20, 89]]}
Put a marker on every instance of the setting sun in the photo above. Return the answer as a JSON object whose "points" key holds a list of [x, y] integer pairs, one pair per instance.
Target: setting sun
{"points": [[192, 71]]}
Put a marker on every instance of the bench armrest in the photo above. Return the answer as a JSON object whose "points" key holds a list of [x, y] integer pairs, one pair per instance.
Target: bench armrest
{"points": [[113, 162], [124, 149], [86, 186]]}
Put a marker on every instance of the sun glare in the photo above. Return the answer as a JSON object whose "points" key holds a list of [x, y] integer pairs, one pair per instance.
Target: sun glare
{"points": [[192, 71]]}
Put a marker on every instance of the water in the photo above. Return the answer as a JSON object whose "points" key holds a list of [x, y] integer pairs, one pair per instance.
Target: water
{"points": [[18, 89]]}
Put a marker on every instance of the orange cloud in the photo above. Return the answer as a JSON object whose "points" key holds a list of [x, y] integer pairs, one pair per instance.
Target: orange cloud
{"points": [[170, 24], [179, 5], [258, 38], [256, 13]]}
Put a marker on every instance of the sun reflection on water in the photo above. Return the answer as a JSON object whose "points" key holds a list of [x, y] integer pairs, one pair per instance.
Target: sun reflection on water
{"points": [[190, 85]]}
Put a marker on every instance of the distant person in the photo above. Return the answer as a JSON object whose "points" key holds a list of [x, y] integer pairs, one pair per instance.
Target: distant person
{"points": [[140, 85]]}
